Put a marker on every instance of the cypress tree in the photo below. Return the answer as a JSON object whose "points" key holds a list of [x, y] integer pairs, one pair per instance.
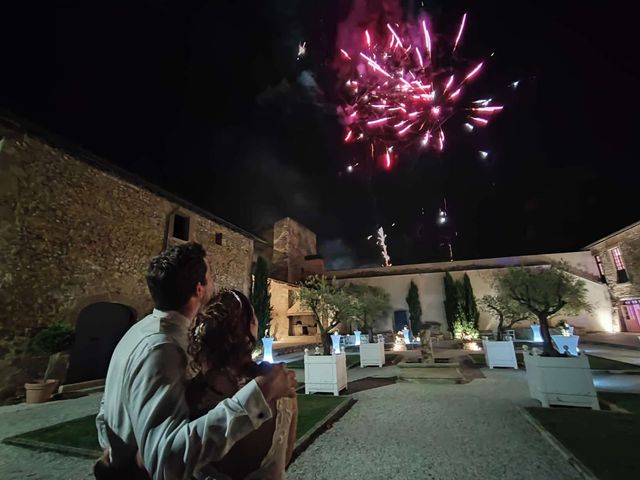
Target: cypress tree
{"points": [[470, 308], [450, 300], [260, 297], [415, 309]]}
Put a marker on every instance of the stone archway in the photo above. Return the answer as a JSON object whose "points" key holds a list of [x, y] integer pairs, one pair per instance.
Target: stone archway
{"points": [[99, 328]]}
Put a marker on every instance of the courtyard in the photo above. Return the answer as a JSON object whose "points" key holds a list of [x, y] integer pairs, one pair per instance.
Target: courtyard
{"points": [[478, 429], [416, 206]]}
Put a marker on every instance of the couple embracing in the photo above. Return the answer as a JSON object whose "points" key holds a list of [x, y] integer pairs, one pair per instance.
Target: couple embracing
{"points": [[183, 398]]}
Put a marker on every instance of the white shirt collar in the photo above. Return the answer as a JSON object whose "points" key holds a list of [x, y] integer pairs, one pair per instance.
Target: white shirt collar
{"points": [[175, 325]]}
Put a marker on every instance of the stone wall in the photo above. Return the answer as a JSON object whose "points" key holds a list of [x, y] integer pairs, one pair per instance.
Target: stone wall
{"points": [[313, 265], [282, 296], [430, 284], [292, 242], [628, 241], [302, 243], [73, 233]]}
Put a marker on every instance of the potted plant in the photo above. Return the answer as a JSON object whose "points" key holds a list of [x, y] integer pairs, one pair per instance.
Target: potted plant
{"points": [[507, 311], [371, 303], [372, 354], [53, 340], [553, 378], [331, 305]]}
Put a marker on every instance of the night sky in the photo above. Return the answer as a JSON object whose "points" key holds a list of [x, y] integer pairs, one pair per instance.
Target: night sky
{"points": [[207, 99]]}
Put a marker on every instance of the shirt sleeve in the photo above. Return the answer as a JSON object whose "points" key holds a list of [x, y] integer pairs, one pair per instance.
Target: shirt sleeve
{"points": [[173, 447]]}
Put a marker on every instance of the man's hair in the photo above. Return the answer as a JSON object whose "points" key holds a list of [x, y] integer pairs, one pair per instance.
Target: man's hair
{"points": [[172, 276]]}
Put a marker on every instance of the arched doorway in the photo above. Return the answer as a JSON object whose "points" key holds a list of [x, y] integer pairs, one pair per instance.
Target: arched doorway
{"points": [[99, 328]]}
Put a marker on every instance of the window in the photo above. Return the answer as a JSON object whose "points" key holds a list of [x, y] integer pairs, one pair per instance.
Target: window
{"points": [[218, 239], [600, 268], [633, 309], [616, 256], [180, 228], [631, 314]]}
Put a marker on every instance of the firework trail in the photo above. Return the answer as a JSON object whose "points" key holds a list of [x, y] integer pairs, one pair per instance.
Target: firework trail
{"points": [[395, 95], [382, 242]]}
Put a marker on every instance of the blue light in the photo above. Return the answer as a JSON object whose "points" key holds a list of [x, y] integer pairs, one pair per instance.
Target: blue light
{"points": [[536, 333], [405, 332], [267, 344], [335, 339]]}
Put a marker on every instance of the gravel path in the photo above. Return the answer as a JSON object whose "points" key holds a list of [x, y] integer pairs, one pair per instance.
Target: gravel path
{"points": [[411, 431], [21, 463], [443, 432]]}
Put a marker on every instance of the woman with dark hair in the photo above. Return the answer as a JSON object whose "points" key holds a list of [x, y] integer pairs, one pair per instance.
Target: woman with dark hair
{"points": [[221, 342]]}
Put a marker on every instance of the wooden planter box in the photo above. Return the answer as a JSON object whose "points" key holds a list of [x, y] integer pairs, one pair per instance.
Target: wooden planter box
{"points": [[562, 341], [500, 354], [325, 373], [561, 381], [372, 355]]}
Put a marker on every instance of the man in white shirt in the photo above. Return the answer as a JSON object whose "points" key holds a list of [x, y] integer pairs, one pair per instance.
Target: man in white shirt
{"points": [[144, 413]]}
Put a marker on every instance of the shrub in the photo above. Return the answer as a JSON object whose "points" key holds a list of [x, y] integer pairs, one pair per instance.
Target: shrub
{"points": [[57, 337], [465, 330]]}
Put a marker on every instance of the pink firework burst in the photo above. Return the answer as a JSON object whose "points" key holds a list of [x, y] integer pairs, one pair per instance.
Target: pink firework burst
{"points": [[395, 95]]}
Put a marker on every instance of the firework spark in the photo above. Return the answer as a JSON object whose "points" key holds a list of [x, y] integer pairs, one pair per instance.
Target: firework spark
{"points": [[395, 95], [462, 24], [302, 50], [382, 242]]}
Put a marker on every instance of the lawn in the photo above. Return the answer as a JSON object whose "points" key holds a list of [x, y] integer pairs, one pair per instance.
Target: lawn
{"points": [[81, 433], [596, 363], [599, 363], [628, 401], [313, 408], [605, 442], [78, 433]]}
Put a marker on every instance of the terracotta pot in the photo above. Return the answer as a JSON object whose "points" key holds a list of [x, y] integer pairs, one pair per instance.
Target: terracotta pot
{"points": [[41, 391]]}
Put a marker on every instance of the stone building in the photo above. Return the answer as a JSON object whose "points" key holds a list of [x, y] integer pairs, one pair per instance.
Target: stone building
{"points": [[291, 251], [429, 278], [292, 254], [618, 259], [76, 235]]}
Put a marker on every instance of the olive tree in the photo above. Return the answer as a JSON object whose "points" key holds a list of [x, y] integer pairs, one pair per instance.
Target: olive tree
{"points": [[371, 303], [330, 304], [507, 311], [544, 292]]}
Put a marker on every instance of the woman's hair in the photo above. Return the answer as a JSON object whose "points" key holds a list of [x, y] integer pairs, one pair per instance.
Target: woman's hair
{"points": [[221, 336]]}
